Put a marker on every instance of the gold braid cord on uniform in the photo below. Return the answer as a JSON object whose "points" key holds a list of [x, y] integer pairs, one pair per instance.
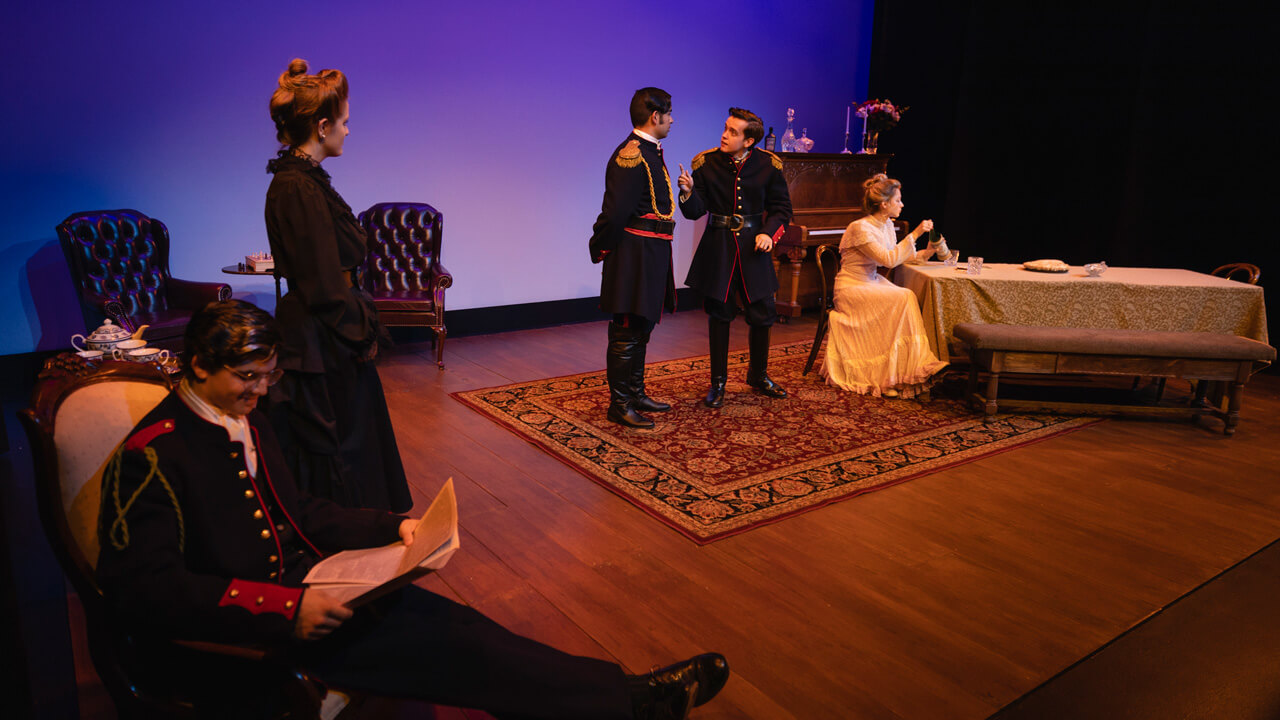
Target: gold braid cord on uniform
{"points": [[653, 198], [628, 157], [119, 532]]}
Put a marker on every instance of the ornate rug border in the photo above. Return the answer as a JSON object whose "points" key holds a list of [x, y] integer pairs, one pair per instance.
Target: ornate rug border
{"points": [[775, 513]]}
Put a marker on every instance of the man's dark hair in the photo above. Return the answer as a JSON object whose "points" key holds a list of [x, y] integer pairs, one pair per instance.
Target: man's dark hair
{"points": [[646, 102], [755, 126], [230, 333]]}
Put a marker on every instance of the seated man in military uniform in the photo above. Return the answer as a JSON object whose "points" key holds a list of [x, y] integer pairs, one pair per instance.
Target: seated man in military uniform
{"points": [[205, 537]]}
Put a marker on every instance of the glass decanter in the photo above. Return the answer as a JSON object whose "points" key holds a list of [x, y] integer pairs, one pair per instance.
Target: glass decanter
{"points": [[803, 143], [788, 141]]}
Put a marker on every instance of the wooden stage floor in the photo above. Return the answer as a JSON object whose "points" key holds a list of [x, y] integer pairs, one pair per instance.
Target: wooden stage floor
{"points": [[950, 596]]}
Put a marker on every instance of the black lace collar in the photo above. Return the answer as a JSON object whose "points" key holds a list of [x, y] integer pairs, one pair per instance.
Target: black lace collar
{"points": [[288, 159]]}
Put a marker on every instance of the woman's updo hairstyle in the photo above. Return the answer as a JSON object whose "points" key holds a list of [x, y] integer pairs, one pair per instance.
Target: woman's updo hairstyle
{"points": [[879, 190], [303, 100]]}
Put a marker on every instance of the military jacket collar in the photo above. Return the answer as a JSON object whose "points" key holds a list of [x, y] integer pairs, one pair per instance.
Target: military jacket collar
{"points": [[646, 137]]}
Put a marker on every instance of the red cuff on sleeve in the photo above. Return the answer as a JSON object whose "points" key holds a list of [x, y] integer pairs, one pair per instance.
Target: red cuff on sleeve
{"points": [[777, 235], [259, 597]]}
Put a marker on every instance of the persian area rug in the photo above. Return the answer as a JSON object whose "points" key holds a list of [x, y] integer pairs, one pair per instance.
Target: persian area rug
{"points": [[714, 473]]}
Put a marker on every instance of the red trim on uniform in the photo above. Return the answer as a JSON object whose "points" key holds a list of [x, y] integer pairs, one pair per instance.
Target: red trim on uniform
{"points": [[267, 474], [275, 598], [646, 233], [652, 216], [271, 523], [143, 437], [777, 235]]}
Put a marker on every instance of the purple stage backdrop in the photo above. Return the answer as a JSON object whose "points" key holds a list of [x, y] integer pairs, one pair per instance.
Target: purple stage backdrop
{"points": [[500, 114]]}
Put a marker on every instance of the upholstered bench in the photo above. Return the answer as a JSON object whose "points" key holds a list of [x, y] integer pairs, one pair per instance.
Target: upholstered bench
{"points": [[1208, 357]]}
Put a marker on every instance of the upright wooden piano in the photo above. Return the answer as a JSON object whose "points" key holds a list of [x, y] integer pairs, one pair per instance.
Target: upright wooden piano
{"points": [[826, 195]]}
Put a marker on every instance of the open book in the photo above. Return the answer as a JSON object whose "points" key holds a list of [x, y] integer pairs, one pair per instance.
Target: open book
{"points": [[360, 576]]}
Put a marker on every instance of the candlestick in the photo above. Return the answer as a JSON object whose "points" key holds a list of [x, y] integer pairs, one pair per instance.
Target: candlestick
{"points": [[846, 126]]}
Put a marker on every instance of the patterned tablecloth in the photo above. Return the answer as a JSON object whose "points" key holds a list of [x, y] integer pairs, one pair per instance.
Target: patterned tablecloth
{"points": [[1128, 298]]}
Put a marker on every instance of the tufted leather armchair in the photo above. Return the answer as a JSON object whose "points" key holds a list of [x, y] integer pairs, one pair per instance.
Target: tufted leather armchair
{"points": [[119, 260], [402, 271]]}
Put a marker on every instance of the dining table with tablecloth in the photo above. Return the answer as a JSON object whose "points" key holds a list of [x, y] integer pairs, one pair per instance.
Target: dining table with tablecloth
{"points": [[1122, 297]]}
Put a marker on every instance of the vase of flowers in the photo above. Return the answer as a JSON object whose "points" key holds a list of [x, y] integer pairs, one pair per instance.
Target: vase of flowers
{"points": [[877, 116]]}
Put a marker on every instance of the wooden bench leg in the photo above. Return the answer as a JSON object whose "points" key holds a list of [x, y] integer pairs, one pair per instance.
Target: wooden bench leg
{"points": [[971, 387], [1233, 408], [993, 384]]}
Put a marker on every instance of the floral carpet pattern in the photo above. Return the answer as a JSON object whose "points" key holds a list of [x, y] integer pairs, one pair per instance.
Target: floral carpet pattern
{"points": [[714, 473]]}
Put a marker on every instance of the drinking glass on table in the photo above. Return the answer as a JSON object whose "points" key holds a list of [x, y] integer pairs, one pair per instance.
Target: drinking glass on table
{"points": [[975, 266], [952, 259]]}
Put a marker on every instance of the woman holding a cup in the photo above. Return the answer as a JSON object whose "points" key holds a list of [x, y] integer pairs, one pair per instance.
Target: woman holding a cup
{"points": [[876, 344]]}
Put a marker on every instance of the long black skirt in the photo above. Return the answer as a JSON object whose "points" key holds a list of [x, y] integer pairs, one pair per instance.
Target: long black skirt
{"points": [[336, 432]]}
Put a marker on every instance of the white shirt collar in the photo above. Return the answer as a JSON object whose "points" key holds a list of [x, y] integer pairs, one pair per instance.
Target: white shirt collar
{"points": [[648, 137], [237, 427]]}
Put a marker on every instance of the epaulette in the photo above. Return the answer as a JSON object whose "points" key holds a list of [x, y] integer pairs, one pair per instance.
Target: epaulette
{"points": [[139, 441], [143, 437], [777, 161], [629, 155], [700, 158]]}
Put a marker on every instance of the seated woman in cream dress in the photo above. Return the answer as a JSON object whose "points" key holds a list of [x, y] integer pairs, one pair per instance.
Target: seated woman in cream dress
{"points": [[876, 343]]}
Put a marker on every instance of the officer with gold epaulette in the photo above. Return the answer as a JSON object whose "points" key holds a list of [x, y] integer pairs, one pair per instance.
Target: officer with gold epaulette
{"points": [[743, 189], [205, 536], [632, 237]]}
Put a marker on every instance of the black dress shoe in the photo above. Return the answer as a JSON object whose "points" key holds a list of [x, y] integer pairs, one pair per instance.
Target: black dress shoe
{"points": [[640, 401], [715, 396], [674, 690], [766, 386], [627, 415]]}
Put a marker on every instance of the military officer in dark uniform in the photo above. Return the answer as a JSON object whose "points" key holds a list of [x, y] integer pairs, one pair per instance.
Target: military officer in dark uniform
{"points": [[205, 536], [743, 188], [632, 237]]}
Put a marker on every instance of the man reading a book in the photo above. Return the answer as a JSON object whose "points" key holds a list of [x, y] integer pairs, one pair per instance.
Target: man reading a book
{"points": [[204, 536]]}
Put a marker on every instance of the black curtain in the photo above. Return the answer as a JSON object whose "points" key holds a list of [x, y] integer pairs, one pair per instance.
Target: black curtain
{"points": [[1137, 132]]}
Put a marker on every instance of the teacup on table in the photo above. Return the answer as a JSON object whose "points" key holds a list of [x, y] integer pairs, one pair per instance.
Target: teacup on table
{"points": [[147, 354]]}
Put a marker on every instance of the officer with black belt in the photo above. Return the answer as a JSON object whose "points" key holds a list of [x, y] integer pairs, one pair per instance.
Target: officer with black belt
{"points": [[632, 237], [743, 189]]}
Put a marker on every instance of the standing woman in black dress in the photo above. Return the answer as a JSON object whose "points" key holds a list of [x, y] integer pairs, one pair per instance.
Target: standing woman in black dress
{"points": [[329, 409]]}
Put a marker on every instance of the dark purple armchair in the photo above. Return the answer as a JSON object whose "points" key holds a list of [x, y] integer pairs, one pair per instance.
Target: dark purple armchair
{"points": [[402, 271], [119, 261]]}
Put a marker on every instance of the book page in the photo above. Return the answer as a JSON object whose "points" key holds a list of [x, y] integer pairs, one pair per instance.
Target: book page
{"points": [[357, 576], [368, 566], [437, 526]]}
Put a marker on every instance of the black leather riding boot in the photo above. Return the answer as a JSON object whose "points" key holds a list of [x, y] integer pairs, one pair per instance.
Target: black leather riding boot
{"points": [[618, 361], [640, 400], [718, 334], [757, 368]]}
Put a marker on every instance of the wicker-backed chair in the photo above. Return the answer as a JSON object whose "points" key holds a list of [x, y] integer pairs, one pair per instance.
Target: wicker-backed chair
{"points": [[1250, 272], [119, 261], [403, 272], [78, 416], [828, 259]]}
